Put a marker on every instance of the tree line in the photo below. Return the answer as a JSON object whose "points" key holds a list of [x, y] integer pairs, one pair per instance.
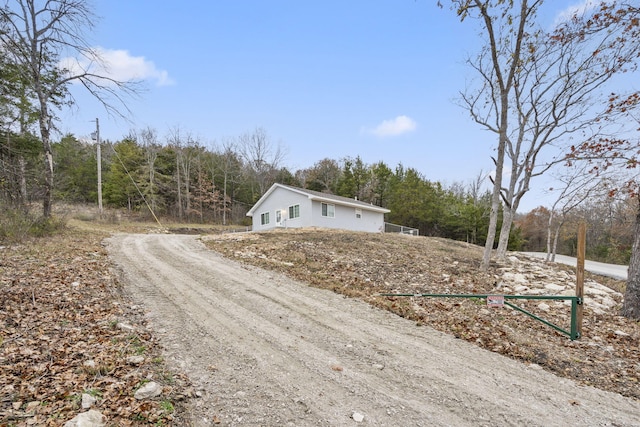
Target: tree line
{"points": [[182, 179], [609, 229], [179, 178]]}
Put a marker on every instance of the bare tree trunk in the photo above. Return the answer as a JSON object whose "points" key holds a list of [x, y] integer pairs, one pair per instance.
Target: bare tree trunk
{"points": [[491, 236], [505, 231], [226, 162], [224, 200], [631, 304], [152, 193], [493, 216], [180, 213], [186, 170], [23, 180], [505, 85], [555, 242], [151, 153], [549, 227], [47, 198]]}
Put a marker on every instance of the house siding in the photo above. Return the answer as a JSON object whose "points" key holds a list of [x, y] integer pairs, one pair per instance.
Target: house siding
{"points": [[281, 198], [345, 218]]}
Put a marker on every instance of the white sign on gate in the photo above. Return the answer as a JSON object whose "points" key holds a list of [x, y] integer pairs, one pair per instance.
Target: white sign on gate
{"points": [[495, 300]]}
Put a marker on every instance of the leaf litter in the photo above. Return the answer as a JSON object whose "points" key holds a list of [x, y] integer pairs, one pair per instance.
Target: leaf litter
{"points": [[66, 330]]}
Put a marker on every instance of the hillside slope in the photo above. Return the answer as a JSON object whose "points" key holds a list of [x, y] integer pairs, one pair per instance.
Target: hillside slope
{"points": [[362, 265]]}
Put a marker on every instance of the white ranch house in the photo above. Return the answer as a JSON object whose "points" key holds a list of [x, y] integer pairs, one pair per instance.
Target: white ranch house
{"points": [[290, 207]]}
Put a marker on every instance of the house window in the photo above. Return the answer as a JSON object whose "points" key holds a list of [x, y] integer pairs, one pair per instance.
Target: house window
{"points": [[294, 211], [264, 218], [328, 210], [358, 213]]}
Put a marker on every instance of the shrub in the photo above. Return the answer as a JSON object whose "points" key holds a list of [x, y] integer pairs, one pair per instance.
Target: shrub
{"points": [[17, 224]]}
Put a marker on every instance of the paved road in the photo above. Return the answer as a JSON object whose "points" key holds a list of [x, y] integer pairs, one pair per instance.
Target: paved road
{"points": [[609, 270]]}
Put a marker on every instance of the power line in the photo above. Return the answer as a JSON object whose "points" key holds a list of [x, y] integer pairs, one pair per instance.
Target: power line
{"points": [[135, 184]]}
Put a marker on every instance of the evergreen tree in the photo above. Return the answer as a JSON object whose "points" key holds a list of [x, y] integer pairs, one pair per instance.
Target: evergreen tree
{"points": [[76, 167], [124, 175]]}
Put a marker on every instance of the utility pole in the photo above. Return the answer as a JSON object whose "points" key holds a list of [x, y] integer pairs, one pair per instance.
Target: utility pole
{"points": [[96, 137]]}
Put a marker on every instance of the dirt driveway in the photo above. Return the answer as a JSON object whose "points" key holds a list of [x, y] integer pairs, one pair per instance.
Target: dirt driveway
{"points": [[267, 351]]}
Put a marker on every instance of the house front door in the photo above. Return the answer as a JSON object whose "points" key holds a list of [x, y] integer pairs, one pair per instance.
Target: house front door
{"points": [[278, 218]]}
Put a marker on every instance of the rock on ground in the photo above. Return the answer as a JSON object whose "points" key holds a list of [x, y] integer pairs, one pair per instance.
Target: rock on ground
{"points": [[91, 418]]}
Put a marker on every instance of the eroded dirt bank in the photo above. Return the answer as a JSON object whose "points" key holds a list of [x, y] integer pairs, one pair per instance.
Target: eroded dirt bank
{"points": [[266, 350]]}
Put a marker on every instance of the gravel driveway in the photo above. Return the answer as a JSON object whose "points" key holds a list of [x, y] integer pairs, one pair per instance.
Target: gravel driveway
{"points": [[268, 351]]}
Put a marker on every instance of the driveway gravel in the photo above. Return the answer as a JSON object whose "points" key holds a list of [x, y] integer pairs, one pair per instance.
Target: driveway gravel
{"points": [[265, 350]]}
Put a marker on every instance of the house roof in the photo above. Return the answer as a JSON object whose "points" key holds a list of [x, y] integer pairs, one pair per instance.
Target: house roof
{"points": [[322, 197]]}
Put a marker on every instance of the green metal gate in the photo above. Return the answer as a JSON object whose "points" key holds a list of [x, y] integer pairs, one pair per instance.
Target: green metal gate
{"points": [[576, 301]]}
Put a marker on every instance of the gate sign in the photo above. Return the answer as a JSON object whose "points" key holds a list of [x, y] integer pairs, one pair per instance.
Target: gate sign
{"points": [[495, 300]]}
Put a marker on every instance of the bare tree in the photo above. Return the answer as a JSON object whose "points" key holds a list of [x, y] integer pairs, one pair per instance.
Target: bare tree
{"points": [[621, 156], [227, 164], [497, 66], [187, 149], [618, 151], [148, 138], [262, 157], [537, 88], [35, 37], [576, 187], [476, 185]]}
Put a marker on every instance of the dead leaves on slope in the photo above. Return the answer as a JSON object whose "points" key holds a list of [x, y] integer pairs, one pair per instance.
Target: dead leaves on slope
{"points": [[63, 332]]}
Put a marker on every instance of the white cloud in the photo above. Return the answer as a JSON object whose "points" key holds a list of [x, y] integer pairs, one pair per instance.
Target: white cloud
{"points": [[119, 65], [394, 127]]}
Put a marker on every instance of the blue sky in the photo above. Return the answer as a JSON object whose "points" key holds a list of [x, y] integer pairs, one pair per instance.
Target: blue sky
{"points": [[334, 78]]}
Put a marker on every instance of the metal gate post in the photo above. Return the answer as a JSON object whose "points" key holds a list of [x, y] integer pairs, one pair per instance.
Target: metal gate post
{"points": [[575, 330]]}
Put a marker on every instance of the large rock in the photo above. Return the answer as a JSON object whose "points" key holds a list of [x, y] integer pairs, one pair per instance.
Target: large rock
{"points": [[148, 391], [90, 418], [514, 278]]}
